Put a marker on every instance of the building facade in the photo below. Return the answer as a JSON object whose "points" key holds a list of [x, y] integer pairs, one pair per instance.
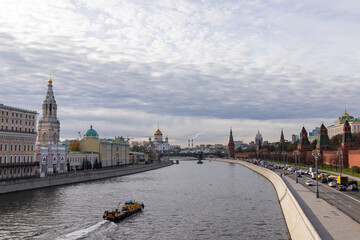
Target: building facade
{"points": [[160, 145], [49, 152], [75, 160], [337, 127], [258, 138], [112, 152], [17, 143]]}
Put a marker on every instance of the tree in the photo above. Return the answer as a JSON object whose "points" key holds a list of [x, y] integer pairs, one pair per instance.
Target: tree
{"points": [[335, 142], [238, 150], [313, 144], [74, 146]]}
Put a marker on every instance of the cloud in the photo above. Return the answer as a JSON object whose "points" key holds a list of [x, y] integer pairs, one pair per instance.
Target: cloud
{"points": [[239, 62]]}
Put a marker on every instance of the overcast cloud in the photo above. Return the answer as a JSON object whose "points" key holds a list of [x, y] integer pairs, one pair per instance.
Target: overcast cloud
{"points": [[188, 66]]}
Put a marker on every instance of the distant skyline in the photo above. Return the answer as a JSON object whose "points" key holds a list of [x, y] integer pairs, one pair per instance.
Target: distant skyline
{"points": [[190, 67]]}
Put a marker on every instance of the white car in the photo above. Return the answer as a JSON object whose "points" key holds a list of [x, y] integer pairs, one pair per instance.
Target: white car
{"points": [[309, 183], [332, 184]]}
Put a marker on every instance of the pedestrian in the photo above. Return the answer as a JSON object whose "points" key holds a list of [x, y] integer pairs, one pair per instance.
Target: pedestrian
{"points": [[280, 174]]}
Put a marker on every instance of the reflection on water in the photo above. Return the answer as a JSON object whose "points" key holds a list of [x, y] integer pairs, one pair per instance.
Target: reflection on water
{"points": [[186, 201]]}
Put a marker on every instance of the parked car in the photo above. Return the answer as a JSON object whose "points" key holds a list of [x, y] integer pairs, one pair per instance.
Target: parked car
{"points": [[341, 188], [332, 184], [309, 183], [353, 187]]}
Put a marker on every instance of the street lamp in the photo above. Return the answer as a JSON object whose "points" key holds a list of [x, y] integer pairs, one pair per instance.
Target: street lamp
{"points": [[316, 153], [296, 154], [272, 157], [340, 153]]}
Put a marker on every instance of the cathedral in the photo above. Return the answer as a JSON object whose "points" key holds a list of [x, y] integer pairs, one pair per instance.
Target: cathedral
{"points": [[159, 143], [49, 152]]}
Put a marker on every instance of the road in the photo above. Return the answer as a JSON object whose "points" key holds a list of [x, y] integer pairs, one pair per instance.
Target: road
{"points": [[348, 201]]}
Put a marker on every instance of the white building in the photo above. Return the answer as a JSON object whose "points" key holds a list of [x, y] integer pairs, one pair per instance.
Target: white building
{"points": [[337, 127], [159, 143], [49, 152]]}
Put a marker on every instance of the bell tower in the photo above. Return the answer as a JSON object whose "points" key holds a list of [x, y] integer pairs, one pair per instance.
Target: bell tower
{"points": [[49, 125]]}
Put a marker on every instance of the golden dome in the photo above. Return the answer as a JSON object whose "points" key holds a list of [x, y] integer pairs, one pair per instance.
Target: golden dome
{"points": [[345, 114], [50, 81], [158, 132]]}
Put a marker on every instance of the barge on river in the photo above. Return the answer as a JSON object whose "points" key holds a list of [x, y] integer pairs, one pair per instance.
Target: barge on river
{"points": [[129, 208]]}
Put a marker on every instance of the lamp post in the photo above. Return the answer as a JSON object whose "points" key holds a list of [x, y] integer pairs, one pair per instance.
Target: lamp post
{"points": [[296, 154], [340, 153], [316, 154], [272, 157]]}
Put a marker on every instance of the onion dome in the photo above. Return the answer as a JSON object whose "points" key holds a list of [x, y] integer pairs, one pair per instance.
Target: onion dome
{"points": [[158, 132], [346, 116], [91, 132]]}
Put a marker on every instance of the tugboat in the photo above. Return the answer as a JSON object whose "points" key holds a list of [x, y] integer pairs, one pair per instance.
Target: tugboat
{"points": [[129, 208]]}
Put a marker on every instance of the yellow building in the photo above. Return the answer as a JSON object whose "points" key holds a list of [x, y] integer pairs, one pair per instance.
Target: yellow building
{"points": [[112, 152], [17, 143], [337, 127], [75, 160]]}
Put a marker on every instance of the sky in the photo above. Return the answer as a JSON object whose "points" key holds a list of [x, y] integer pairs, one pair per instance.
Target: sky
{"points": [[193, 68]]}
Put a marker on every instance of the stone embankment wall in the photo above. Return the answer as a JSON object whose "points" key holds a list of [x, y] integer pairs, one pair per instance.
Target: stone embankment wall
{"points": [[297, 223], [80, 176]]}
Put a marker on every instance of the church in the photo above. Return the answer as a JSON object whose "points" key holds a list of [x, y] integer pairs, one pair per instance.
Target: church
{"points": [[50, 153], [337, 127], [160, 144]]}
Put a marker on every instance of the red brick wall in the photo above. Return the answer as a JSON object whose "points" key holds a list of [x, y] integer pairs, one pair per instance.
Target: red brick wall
{"points": [[241, 155], [329, 157], [354, 158]]}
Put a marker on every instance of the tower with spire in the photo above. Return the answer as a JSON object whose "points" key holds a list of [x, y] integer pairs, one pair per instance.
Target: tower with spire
{"points": [[231, 145], [49, 125], [304, 143], [347, 144], [50, 153], [323, 142], [282, 145]]}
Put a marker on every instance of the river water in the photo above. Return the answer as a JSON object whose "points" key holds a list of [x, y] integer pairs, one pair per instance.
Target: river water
{"points": [[214, 200]]}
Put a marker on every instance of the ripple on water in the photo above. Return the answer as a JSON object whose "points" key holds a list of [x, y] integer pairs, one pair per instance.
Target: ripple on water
{"points": [[185, 201]]}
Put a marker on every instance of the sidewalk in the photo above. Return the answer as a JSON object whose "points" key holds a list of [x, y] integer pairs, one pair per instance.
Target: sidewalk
{"points": [[329, 222]]}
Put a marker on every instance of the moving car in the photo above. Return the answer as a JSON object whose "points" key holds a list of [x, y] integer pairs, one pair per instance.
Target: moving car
{"points": [[323, 180], [341, 188], [332, 184], [353, 187], [309, 183]]}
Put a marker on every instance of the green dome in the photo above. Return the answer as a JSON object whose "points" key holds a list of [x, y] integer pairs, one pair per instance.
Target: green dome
{"points": [[91, 133]]}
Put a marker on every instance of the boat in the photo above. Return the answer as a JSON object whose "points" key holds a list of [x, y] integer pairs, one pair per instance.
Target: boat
{"points": [[200, 157], [128, 209]]}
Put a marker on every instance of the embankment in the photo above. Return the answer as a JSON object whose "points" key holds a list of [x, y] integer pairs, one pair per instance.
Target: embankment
{"points": [[298, 224], [80, 176]]}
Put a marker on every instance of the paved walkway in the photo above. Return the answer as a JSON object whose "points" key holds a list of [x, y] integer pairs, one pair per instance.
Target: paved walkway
{"points": [[330, 222]]}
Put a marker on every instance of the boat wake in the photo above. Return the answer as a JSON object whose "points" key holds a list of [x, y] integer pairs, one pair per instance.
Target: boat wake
{"points": [[84, 232]]}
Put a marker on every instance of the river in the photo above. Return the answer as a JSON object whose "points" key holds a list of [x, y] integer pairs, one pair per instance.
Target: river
{"points": [[214, 200]]}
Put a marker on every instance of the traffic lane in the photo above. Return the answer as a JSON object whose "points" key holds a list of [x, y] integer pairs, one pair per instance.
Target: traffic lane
{"points": [[351, 194], [345, 204]]}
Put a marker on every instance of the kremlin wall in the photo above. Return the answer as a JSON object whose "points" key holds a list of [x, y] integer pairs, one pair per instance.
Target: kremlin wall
{"points": [[347, 152]]}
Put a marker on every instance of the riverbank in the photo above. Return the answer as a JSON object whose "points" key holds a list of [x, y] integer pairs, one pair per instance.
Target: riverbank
{"points": [[297, 222], [76, 177]]}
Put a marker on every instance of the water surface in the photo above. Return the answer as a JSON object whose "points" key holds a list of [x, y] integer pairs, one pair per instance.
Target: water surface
{"points": [[214, 200]]}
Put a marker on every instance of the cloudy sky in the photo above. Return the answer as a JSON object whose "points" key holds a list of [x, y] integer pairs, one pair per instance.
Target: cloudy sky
{"points": [[192, 67]]}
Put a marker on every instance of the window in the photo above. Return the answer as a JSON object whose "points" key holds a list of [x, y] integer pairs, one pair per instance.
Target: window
{"points": [[0, 159]]}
